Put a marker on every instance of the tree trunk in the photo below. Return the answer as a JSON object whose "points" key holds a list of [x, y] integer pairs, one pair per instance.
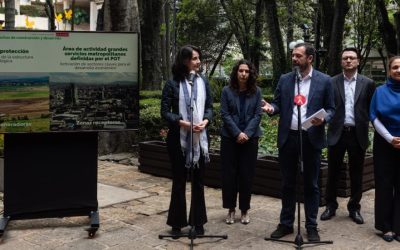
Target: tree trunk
{"points": [[327, 12], [49, 8], [9, 15], [164, 46], [386, 28], [275, 40], [150, 40], [240, 29], [73, 14], [290, 30], [220, 55], [397, 23], [167, 50], [335, 44], [258, 26], [118, 15], [317, 43]]}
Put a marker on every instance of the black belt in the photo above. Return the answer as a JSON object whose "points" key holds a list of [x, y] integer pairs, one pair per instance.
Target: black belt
{"points": [[349, 129]]}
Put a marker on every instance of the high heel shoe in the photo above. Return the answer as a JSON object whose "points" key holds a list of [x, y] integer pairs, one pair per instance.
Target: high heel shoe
{"points": [[230, 218], [245, 219]]}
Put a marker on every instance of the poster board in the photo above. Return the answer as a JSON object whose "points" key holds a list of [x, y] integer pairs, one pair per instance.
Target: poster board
{"points": [[68, 81]]}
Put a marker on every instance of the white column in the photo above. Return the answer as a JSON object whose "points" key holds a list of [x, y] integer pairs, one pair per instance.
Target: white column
{"points": [[93, 15]]}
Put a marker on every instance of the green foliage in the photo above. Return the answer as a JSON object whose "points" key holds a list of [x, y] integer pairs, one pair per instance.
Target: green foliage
{"points": [[144, 94], [200, 23], [144, 103], [268, 97], [267, 143], [150, 123], [217, 84], [80, 16], [33, 10], [216, 124]]}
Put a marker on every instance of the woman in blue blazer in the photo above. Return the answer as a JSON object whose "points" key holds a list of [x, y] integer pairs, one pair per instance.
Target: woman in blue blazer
{"points": [[176, 111], [241, 115]]}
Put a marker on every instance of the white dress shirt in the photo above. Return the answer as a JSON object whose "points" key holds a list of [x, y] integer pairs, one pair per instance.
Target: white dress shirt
{"points": [[349, 90], [304, 90]]}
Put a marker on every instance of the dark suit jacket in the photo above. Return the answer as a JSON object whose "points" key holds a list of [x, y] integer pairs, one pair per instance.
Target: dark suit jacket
{"points": [[320, 96], [365, 88], [170, 106], [230, 113]]}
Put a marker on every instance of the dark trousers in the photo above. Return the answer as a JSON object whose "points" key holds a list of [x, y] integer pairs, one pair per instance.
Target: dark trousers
{"points": [[238, 163], [288, 159], [177, 215], [387, 186], [347, 142]]}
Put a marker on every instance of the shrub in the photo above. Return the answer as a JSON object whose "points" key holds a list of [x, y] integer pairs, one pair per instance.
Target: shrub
{"points": [[33, 10], [150, 123], [217, 84], [145, 94], [144, 103]]}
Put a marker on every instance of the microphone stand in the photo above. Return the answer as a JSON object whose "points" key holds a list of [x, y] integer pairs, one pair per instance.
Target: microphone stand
{"points": [[192, 234], [298, 241]]}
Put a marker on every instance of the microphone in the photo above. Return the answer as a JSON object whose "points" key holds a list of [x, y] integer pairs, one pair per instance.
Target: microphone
{"points": [[192, 75], [297, 72]]}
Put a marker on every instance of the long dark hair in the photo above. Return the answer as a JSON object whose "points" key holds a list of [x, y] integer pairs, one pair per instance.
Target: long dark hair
{"points": [[179, 69], [251, 84]]}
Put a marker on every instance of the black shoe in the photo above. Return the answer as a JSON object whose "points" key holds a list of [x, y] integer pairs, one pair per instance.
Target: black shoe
{"points": [[199, 230], [176, 232], [356, 216], [328, 213], [281, 231], [388, 237], [312, 234], [396, 237]]}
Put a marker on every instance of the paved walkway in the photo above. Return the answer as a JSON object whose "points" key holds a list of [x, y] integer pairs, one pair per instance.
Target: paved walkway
{"points": [[133, 209]]}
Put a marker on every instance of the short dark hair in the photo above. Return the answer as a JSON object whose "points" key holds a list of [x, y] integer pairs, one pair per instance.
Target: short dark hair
{"points": [[179, 68], [251, 83], [351, 49], [310, 50]]}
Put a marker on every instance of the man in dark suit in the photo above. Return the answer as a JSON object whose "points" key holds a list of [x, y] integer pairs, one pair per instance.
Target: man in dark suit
{"points": [[348, 131], [317, 90]]}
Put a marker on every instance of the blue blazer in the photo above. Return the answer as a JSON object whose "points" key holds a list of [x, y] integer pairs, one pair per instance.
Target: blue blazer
{"points": [[320, 96], [230, 113]]}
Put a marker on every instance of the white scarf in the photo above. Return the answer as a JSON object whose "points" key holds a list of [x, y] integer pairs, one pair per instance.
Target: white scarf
{"points": [[200, 142]]}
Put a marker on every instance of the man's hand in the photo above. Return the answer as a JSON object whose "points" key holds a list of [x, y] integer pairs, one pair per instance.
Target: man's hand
{"points": [[316, 121], [242, 138], [266, 107]]}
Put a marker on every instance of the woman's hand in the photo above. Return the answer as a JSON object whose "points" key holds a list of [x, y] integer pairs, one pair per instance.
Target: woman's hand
{"points": [[197, 128], [184, 124], [242, 138], [396, 142]]}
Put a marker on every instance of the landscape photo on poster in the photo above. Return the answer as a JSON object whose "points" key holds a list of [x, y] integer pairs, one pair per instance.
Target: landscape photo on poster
{"points": [[93, 101], [24, 102]]}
